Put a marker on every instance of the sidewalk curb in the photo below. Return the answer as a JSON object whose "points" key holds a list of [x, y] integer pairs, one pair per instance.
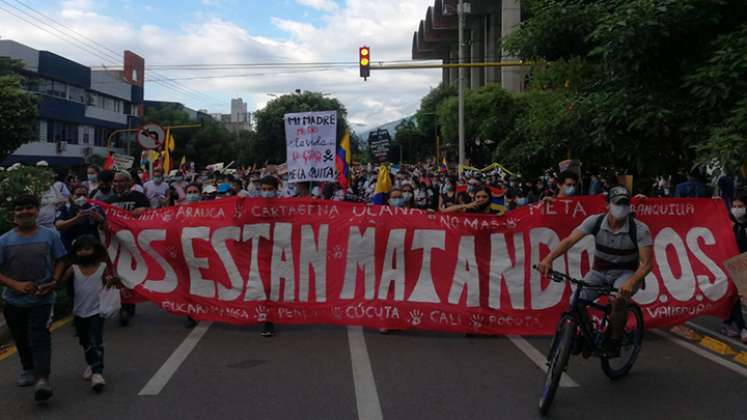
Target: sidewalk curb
{"points": [[4, 331]]}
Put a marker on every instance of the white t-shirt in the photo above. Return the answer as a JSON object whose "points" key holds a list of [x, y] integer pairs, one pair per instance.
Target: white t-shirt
{"points": [[155, 193], [87, 290]]}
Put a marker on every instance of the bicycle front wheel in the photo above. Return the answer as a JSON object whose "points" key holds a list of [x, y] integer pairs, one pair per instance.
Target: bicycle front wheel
{"points": [[560, 351], [632, 339]]}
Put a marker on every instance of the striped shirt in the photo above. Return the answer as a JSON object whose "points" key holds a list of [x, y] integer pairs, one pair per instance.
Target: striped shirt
{"points": [[616, 250]]}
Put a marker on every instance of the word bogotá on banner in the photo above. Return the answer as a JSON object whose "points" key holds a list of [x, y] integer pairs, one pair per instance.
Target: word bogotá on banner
{"points": [[305, 261]]}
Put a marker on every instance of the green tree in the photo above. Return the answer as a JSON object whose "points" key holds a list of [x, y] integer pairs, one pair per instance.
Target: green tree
{"points": [[649, 86], [269, 146], [411, 141], [427, 115], [17, 109]]}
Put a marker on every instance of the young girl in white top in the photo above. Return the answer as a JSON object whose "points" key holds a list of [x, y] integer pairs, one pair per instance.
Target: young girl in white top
{"points": [[88, 273]]}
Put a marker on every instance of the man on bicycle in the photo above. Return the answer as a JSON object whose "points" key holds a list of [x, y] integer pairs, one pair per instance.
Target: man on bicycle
{"points": [[622, 257]]}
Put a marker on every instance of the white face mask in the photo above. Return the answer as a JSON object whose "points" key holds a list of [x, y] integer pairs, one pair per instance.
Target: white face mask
{"points": [[80, 201], [269, 194], [193, 197], [738, 212], [570, 190], [619, 211]]}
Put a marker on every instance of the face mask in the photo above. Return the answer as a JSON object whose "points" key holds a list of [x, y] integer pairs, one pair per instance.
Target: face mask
{"points": [[484, 206], [80, 201], [397, 202], [92, 178], [522, 201], [569, 190], [157, 180], [269, 194], [619, 211], [738, 212], [178, 179], [193, 197], [407, 196], [471, 188], [87, 260]]}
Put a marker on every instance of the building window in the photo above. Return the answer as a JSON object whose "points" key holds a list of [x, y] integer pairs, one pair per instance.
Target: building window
{"points": [[59, 89], [43, 131], [77, 94]]}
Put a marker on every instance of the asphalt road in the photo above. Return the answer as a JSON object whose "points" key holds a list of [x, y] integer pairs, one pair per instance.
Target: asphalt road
{"points": [[318, 372]]}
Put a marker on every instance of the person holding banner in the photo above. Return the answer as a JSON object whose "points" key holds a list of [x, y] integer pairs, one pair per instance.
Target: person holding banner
{"points": [[481, 203], [623, 256], [268, 187], [734, 326]]}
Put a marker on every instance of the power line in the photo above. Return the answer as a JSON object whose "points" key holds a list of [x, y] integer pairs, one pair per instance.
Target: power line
{"points": [[106, 50], [187, 92]]}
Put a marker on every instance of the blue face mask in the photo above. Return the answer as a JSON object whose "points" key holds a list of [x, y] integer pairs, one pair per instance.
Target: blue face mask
{"points": [[522, 201], [269, 194], [397, 202]]}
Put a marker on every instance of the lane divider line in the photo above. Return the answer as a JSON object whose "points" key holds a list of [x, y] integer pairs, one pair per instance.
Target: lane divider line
{"points": [[172, 364], [702, 352], [10, 350], [540, 359], [366, 395]]}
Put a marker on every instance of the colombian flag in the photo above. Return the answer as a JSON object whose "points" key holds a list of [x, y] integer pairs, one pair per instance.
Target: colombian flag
{"points": [[168, 147], [343, 161], [498, 200], [383, 185], [444, 166]]}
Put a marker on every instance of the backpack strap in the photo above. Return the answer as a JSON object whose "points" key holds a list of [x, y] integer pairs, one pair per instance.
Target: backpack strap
{"points": [[598, 224], [633, 229]]}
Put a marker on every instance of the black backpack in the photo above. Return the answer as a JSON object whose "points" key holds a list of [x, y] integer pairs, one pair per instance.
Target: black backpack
{"points": [[632, 232]]}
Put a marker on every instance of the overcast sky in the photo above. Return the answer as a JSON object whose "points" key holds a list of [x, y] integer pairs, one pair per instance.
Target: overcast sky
{"points": [[240, 31]]}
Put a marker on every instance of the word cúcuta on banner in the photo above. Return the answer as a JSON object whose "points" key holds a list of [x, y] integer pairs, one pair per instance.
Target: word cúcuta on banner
{"points": [[302, 261]]}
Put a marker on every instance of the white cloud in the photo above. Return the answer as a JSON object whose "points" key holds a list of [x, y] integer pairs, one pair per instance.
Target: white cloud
{"points": [[323, 5], [385, 25]]}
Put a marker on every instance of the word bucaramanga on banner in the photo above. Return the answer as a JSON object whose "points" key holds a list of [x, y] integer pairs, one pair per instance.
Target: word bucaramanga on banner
{"points": [[306, 261]]}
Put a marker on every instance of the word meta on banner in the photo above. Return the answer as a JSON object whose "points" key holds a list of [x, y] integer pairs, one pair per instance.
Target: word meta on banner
{"points": [[311, 139], [302, 261]]}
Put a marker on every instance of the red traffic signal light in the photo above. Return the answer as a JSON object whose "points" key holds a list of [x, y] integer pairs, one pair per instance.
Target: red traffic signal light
{"points": [[364, 59]]}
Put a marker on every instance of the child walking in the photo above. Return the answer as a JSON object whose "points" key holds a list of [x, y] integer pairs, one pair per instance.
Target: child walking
{"points": [[88, 274]]}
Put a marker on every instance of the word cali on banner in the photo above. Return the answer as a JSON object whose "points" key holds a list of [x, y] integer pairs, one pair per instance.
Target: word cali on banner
{"points": [[306, 261], [311, 142]]}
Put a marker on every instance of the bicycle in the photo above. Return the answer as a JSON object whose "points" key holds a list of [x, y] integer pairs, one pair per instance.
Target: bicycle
{"points": [[577, 333]]}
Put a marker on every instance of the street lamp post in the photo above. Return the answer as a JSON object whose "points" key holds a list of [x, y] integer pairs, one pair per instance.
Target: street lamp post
{"points": [[461, 15]]}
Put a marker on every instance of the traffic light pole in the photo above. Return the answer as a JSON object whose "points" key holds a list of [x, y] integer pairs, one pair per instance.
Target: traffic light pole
{"points": [[460, 13]]}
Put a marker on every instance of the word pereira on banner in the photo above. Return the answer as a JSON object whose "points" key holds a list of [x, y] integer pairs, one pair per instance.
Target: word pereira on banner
{"points": [[311, 139], [305, 261]]}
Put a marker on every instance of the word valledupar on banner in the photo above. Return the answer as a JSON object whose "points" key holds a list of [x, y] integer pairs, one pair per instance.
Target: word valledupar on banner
{"points": [[306, 261]]}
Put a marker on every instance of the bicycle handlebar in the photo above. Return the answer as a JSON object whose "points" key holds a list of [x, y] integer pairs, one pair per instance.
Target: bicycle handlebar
{"points": [[559, 277]]}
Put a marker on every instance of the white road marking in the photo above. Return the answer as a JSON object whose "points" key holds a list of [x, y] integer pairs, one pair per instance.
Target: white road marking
{"points": [[366, 395], [164, 374], [731, 341], [702, 352], [539, 359]]}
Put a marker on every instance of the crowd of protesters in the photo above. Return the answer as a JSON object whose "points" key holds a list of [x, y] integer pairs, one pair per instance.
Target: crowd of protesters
{"points": [[56, 238]]}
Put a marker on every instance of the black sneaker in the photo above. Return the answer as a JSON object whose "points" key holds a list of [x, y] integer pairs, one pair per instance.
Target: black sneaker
{"points": [[43, 391], [268, 330], [190, 323]]}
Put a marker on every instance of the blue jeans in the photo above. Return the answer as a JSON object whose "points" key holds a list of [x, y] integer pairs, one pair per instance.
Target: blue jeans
{"points": [[91, 335]]}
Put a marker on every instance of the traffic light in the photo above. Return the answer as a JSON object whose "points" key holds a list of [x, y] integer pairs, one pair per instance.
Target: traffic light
{"points": [[365, 61]]}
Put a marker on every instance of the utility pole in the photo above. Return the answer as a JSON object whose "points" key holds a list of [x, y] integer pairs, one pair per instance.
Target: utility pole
{"points": [[462, 18]]}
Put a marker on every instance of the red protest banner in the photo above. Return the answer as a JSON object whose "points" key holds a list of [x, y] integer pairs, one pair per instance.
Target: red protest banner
{"points": [[307, 261]]}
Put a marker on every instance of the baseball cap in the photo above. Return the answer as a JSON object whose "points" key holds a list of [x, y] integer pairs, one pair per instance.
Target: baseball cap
{"points": [[619, 195]]}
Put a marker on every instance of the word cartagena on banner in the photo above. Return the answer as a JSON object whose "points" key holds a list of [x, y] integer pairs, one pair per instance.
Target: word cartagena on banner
{"points": [[304, 261]]}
